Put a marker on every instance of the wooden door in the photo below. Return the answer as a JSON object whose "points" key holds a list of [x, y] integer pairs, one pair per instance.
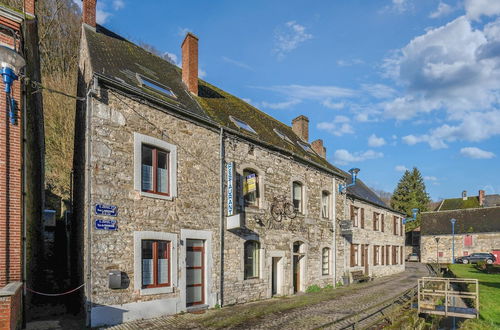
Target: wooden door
{"points": [[195, 272], [296, 273]]}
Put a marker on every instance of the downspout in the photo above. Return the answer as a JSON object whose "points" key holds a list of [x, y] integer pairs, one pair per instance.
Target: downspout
{"points": [[25, 249], [221, 193], [334, 227], [89, 204]]}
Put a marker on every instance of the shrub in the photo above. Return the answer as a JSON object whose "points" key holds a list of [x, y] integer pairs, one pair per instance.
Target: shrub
{"points": [[328, 286], [313, 288]]}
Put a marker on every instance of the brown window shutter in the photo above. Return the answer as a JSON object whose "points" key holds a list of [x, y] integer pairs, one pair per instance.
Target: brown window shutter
{"points": [[401, 226], [362, 218], [387, 255], [374, 219], [382, 259], [352, 255], [382, 224], [374, 255], [352, 214], [394, 224], [362, 254]]}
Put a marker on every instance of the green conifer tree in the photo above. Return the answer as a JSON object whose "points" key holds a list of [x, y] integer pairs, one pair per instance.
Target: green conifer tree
{"points": [[410, 193]]}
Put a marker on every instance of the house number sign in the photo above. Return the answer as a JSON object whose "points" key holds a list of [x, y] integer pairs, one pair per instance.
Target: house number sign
{"points": [[104, 209]]}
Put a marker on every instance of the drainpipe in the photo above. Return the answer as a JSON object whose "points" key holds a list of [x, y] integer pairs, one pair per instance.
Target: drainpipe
{"points": [[24, 171], [89, 204], [221, 193], [334, 222]]}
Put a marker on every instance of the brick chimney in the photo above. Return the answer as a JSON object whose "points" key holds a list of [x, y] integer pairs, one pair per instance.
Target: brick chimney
{"points": [[319, 148], [190, 62], [29, 7], [481, 197], [89, 12], [300, 126]]}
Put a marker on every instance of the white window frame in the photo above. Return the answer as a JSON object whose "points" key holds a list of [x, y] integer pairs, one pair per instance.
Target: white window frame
{"points": [[139, 140], [301, 209], [139, 236], [328, 204], [329, 260]]}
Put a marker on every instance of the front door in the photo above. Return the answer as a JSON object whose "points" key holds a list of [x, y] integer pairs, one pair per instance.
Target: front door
{"points": [[274, 276], [296, 273], [195, 272]]}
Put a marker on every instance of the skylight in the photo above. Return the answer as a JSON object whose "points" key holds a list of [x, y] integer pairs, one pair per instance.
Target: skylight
{"points": [[155, 86], [281, 135], [305, 146], [243, 125]]}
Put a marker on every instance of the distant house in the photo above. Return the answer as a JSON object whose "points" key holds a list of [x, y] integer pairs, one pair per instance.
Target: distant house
{"points": [[477, 228]]}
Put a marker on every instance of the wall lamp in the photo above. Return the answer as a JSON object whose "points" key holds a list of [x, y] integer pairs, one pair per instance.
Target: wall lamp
{"points": [[11, 63], [414, 216], [354, 173]]}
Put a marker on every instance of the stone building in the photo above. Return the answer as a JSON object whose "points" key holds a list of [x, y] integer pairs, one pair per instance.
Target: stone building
{"points": [[186, 197], [476, 230], [21, 160], [374, 235]]}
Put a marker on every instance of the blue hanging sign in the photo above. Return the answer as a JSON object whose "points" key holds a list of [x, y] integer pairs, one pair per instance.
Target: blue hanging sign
{"points": [[104, 209], [104, 224]]}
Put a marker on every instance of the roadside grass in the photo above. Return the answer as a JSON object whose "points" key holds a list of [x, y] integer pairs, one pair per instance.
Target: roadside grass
{"points": [[240, 314], [489, 295]]}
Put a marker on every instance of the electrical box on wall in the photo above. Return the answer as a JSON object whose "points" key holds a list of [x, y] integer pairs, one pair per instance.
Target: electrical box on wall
{"points": [[115, 279]]}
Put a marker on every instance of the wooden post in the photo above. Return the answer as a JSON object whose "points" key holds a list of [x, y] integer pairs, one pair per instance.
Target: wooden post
{"points": [[418, 296]]}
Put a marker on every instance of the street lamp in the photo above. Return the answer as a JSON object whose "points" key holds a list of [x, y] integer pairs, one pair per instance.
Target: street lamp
{"points": [[11, 63], [453, 239], [354, 173]]}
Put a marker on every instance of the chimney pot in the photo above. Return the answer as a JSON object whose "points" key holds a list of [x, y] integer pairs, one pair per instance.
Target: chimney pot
{"points": [[89, 7], [300, 126], [189, 49], [29, 7], [318, 147], [481, 197]]}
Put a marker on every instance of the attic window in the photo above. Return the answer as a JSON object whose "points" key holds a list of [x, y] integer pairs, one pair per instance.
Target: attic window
{"points": [[282, 135], [155, 86], [242, 124], [305, 146]]}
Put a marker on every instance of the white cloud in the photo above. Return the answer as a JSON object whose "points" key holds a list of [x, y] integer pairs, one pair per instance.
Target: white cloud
{"points": [[398, 6], [237, 63], [374, 141], [443, 9], [476, 8], [182, 31], [118, 4], [352, 62], [201, 73], [338, 126], [101, 16], [332, 105], [473, 152], [279, 105], [344, 157], [379, 91], [430, 178], [401, 168], [288, 37], [172, 58], [311, 92]]}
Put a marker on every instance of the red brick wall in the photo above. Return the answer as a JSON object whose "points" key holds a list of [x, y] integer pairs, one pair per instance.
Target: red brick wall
{"points": [[89, 7], [10, 311], [189, 49], [10, 181]]}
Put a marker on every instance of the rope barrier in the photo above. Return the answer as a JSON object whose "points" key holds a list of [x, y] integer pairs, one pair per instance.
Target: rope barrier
{"points": [[55, 294]]}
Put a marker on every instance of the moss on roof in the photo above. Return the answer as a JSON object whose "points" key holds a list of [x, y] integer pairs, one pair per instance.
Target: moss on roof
{"points": [[459, 203], [121, 60], [473, 220]]}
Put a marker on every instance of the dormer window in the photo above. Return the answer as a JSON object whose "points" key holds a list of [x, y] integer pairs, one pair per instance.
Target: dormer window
{"points": [[282, 135], [305, 146], [155, 86], [241, 124]]}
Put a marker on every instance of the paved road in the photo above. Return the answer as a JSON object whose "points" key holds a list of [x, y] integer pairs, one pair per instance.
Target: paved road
{"points": [[309, 317]]}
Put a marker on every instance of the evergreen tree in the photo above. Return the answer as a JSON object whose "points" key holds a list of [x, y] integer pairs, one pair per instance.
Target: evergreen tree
{"points": [[410, 193]]}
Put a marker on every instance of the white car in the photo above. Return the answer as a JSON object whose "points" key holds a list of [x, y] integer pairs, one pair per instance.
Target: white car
{"points": [[413, 257]]}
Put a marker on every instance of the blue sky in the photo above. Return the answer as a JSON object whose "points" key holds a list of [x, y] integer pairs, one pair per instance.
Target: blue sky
{"points": [[387, 85]]}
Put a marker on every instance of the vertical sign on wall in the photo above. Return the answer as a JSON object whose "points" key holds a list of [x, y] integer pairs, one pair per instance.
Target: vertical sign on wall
{"points": [[230, 188]]}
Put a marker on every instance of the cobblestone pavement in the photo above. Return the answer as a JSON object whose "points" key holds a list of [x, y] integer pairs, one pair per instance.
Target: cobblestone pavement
{"points": [[356, 299]]}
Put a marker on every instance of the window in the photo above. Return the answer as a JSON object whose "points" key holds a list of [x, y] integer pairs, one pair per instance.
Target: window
{"points": [[376, 221], [305, 146], [155, 86], [382, 257], [241, 124], [396, 225], [325, 261], [250, 187], [355, 216], [155, 256], [155, 167], [468, 240], [354, 255], [387, 254], [325, 204], [282, 135], [394, 255], [297, 196], [376, 255], [251, 259], [154, 175]]}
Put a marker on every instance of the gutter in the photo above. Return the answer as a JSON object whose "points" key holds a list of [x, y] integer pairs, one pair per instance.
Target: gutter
{"points": [[221, 192]]}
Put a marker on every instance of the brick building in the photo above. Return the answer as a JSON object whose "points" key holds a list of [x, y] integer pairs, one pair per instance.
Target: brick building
{"points": [[188, 197], [21, 164]]}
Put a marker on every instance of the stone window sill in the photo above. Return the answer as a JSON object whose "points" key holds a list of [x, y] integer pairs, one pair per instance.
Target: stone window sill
{"points": [[151, 291], [157, 196]]}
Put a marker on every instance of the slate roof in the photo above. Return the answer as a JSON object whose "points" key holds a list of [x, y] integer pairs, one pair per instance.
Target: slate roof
{"points": [[470, 202], [120, 60], [477, 220]]}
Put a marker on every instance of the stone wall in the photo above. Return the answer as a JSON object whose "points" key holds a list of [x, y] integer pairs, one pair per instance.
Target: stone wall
{"points": [[275, 176], [481, 242], [368, 235]]}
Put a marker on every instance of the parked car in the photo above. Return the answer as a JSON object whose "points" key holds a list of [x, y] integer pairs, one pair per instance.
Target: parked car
{"points": [[475, 257], [413, 257]]}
